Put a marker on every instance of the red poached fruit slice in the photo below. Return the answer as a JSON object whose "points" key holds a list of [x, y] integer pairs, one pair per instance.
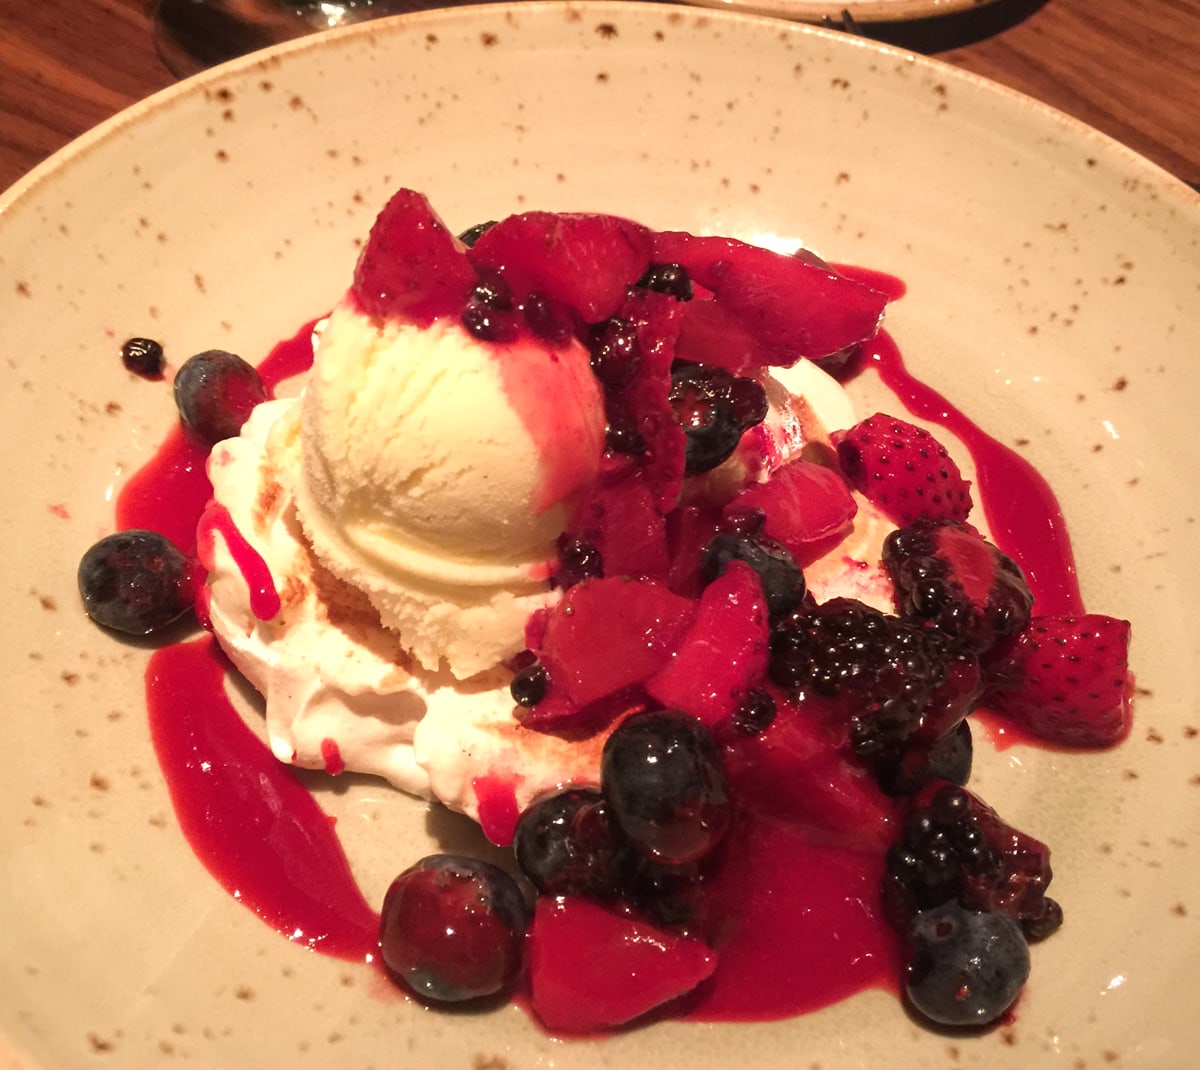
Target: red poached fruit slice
{"points": [[791, 306], [412, 265], [724, 652], [1065, 680], [584, 261], [805, 507], [902, 469], [619, 968], [603, 637]]}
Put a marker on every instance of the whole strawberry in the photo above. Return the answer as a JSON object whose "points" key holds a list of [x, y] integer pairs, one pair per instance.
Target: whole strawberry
{"points": [[903, 470], [1065, 680]]}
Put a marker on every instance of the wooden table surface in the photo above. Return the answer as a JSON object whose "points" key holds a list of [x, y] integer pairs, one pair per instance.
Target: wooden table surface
{"points": [[1130, 68]]}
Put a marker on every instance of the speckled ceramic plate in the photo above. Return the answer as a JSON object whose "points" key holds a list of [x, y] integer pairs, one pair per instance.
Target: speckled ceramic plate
{"points": [[1053, 280], [862, 11]]}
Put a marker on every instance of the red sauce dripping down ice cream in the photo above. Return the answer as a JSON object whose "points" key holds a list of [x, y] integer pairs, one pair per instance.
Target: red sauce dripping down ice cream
{"points": [[785, 901]]}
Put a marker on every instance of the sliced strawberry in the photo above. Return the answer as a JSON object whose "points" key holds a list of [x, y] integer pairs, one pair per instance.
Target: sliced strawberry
{"points": [[1065, 680], [724, 652], [792, 306], [794, 771], [903, 470], [806, 508], [609, 634], [412, 265], [584, 261], [621, 518], [591, 969]]}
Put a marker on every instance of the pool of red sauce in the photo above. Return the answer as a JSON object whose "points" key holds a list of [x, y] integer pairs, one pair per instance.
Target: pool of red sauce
{"points": [[801, 925]]}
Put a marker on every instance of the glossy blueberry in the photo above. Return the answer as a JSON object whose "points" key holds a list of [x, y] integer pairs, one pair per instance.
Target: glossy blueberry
{"points": [[662, 773], [714, 409], [144, 357], [566, 844], [215, 392], [452, 928], [136, 582], [782, 579], [614, 351], [473, 233], [670, 279], [528, 686], [967, 967], [948, 758], [578, 560]]}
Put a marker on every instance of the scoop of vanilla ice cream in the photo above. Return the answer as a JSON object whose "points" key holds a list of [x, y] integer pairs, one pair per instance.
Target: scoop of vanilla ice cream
{"points": [[436, 473]]}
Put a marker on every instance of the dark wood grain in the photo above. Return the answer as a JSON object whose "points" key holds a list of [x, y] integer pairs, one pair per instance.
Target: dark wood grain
{"points": [[1130, 68]]}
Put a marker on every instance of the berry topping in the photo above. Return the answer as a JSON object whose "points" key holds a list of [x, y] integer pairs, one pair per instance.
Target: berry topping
{"points": [[955, 847], [584, 261], [714, 408], [947, 574], [215, 393], [566, 844], [136, 582], [452, 928], [412, 265], [780, 576], [489, 314], [967, 968], [878, 672], [755, 714], [528, 687], [619, 966], [577, 560], [1065, 680], [948, 757], [902, 469], [144, 357], [661, 772], [476, 231]]}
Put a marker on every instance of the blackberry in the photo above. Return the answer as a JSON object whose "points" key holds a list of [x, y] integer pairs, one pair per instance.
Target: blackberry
{"points": [[955, 847], [881, 671], [714, 409], [670, 279], [947, 575]]}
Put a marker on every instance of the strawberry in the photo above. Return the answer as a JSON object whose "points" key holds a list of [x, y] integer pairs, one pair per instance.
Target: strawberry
{"points": [[412, 265], [806, 508], [723, 654], [592, 969], [777, 308], [1065, 680], [946, 573], [584, 261], [903, 470]]}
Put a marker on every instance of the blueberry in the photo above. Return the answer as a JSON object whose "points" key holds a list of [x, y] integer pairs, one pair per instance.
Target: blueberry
{"points": [[948, 758], [782, 579], [566, 844], [452, 928], [755, 714], [670, 279], [548, 319], [473, 233], [136, 582], [615, 351], [528, 686], [144, 357], [662, 773], [215, 392], [577, 560], [967, 967], [714, 409]]}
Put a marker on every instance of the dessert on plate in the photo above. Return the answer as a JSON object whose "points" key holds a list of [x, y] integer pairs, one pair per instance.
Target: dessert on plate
{"points": [[572, 527]]}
